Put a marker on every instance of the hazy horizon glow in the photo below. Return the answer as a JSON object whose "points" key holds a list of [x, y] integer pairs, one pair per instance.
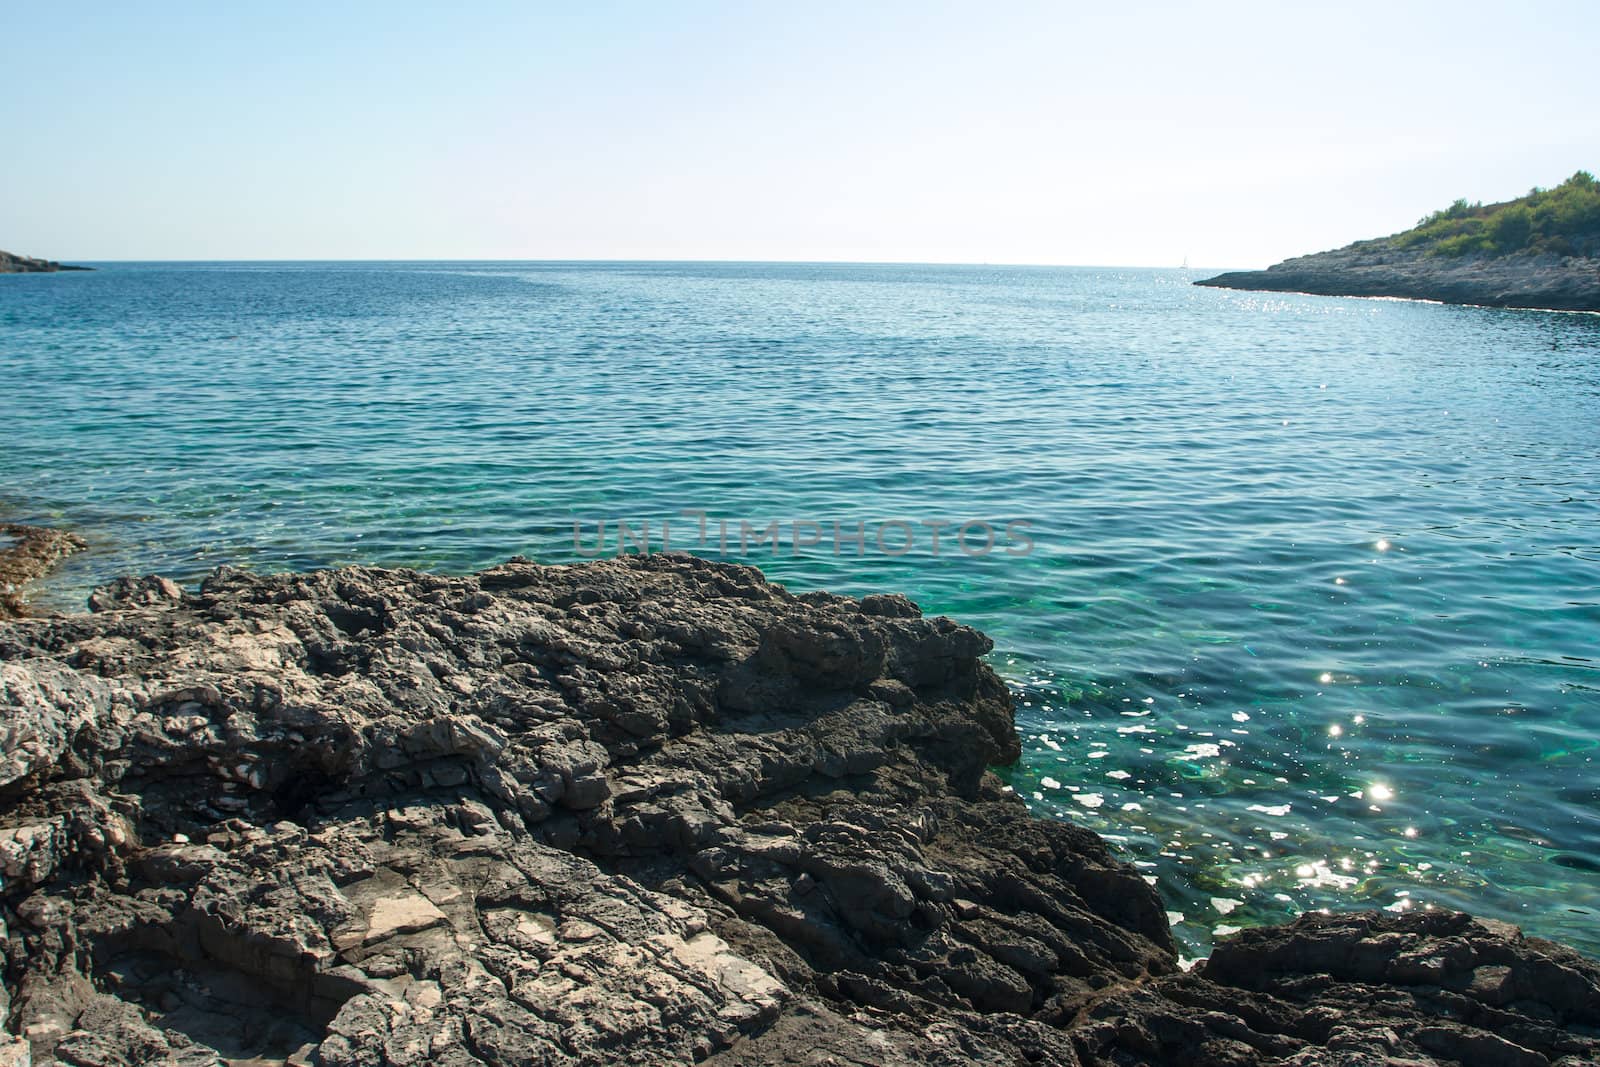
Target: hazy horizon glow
{"points": [[1027, 133]]}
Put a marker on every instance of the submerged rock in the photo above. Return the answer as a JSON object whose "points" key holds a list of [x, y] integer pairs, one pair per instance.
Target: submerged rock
{"points": [[649, 810], [27, 553]]}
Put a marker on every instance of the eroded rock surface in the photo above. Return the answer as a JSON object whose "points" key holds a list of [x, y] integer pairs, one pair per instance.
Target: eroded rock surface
{"points": [[646, 811], [1362, 989]]}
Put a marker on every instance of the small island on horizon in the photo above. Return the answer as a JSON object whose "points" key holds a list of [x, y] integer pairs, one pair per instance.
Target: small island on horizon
{"points": [[1541, 251]]}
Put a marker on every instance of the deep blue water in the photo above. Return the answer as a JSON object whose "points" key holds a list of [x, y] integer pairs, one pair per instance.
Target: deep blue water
{"points": [[1312, 611]]}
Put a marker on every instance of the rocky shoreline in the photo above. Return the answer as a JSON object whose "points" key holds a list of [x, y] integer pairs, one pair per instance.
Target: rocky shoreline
{"points": [[649, 810], [11, 263], [1383, 268]]}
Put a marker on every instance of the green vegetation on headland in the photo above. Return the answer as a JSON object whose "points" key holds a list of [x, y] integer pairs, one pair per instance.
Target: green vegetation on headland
{"points": [[1564, 221], [1539, 251]]}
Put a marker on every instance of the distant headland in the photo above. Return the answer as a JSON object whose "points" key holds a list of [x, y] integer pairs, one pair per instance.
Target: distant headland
{"points": [[11, 263], [1539, 251]]}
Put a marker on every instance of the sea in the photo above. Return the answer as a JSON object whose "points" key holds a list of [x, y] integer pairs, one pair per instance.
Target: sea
{"points": [[1299, 596]]}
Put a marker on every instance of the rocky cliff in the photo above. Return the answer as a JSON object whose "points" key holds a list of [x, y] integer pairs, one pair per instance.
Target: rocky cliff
{"points": [[1384, 268], [651, 810], [11, 263]]}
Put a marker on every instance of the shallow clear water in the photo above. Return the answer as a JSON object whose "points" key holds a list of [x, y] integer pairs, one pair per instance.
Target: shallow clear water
{"points": [[1312, 613]]}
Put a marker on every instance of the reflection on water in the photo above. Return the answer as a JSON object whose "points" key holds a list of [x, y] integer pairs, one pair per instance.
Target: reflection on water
{"points": [[1312, 615], [1253, 815]]}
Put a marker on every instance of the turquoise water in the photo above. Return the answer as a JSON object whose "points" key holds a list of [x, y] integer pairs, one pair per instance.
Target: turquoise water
{"points": [[1312, 612]]}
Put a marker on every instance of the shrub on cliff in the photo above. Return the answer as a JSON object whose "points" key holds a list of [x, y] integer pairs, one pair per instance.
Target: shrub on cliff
{"points": [[1564, 221]]}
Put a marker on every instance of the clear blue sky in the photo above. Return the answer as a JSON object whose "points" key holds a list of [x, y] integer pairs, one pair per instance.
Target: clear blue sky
{"points": [[1235, 134]]}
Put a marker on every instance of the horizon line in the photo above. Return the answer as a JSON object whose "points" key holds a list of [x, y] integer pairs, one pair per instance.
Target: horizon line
{"points": [[594, 260]]}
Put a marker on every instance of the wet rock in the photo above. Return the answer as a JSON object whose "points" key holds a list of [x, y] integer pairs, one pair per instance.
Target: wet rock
{"points": [[650, 810], [27, 553]]}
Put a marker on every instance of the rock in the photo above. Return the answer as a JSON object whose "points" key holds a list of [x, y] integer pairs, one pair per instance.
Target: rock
{"points": [[149, 591], [26, 553], [642, 811], [1382, 268], [1365, 988], [11, 263]]}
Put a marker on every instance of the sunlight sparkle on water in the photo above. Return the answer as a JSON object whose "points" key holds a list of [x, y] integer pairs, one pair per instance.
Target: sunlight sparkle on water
{"points": [[1168, 603]]}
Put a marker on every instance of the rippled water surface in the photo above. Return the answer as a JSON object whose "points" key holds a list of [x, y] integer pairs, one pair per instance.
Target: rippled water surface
{"points": [[1312, 613]]}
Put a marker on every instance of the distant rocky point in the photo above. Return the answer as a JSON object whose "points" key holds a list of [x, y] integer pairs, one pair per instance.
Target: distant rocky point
{"points": [[11, 263], [1539, 251]]}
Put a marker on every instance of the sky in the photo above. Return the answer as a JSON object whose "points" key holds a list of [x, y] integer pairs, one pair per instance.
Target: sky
{"points": [[1139, 134]]}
